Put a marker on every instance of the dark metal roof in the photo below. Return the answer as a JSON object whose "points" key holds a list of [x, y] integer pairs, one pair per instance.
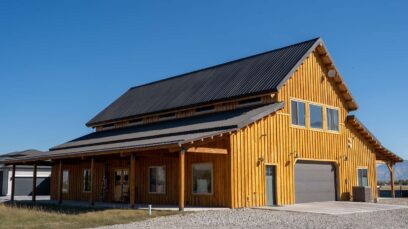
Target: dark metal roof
{"points": [[262, 73], [172, 132], [18, 154]]}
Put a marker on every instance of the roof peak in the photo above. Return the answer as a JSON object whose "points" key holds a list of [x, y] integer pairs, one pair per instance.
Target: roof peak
{"points": [[226, 63]]}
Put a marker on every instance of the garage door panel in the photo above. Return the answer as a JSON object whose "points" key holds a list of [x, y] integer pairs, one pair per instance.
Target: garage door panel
{"points": [[314, 182], [24, 186]]}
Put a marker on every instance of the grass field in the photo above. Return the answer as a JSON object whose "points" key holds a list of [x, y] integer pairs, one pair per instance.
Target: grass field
{"points": [[53, 216]]}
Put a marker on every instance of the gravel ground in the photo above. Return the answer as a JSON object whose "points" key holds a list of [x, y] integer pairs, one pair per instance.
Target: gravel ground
{"points": [[251, 218]]}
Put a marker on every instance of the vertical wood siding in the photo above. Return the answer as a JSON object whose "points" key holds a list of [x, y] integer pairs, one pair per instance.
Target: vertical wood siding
{"points": [[272, 140]]}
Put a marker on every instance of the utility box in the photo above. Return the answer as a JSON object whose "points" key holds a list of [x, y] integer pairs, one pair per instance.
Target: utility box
{"points": [[362, 194]]}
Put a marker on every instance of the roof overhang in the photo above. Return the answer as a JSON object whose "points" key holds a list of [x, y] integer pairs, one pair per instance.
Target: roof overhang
{"points": [[382, 153]]}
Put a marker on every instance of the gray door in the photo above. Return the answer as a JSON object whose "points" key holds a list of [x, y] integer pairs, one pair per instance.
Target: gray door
{"points": [[1, 183], [314, 182], [24, 186], [270, 185]]}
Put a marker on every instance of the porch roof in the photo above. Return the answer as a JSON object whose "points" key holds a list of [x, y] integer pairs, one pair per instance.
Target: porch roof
{"points": [[162, 134]]}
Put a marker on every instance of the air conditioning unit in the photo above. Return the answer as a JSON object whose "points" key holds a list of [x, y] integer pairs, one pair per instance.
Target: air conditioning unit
{"points": [[362, 194]]}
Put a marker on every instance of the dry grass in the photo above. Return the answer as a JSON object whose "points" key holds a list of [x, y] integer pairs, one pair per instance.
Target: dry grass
{"points": [[52, 216]]}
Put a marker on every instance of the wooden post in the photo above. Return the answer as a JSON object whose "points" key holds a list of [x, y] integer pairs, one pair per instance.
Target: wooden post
{"points": [[390, 167], [60, 183], [13, 183], [91, 198], [34, 182], [182, 159], [132, 180]]}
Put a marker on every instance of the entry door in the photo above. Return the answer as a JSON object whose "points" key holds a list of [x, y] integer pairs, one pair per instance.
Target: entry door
{"points": [[270, 185], [121, 192]]}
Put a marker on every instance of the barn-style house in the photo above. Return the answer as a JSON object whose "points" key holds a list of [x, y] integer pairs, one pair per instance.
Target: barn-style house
{"points": [[269, 129]]}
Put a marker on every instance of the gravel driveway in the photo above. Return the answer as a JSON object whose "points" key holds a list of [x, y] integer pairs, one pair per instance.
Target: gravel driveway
{"points": [[252, 218]]}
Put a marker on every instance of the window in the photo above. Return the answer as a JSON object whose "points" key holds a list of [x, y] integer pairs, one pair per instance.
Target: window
{"points": [[362, 177], [203, 179], [316, 116], [65, 181], [332, 119], [298, 113], [87, 180], [157, 179]]}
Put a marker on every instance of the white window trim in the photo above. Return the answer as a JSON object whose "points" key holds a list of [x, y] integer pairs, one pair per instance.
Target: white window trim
{"points": [[165, 179], [290, 116], [212, 179], [361, 168], [310, 116], [83, 181], [62, 185]]}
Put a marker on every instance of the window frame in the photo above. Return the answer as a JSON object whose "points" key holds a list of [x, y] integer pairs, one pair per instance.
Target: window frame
{"points": [[338, 119], [83, 180], [65, 190], [358, 176], [310, 104], [297, 107], [212, 179], [165, 180]]}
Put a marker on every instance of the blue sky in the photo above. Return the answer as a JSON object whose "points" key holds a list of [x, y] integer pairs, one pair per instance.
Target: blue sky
{"points": [[61, 62]]}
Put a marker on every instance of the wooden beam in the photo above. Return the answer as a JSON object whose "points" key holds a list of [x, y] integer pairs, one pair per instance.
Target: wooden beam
{"points": [[132, 182], [182, 159], [207, 150], [34, 192], [60, 182], [92, 194], [13, 183], [391, 169]]}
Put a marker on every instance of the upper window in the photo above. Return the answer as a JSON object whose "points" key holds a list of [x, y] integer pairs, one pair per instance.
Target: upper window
{"points": [[157, 179], [362, 177], [316, 116], [203, 179], [87, 180], [298, 113], [332, 119], [65, 181]]}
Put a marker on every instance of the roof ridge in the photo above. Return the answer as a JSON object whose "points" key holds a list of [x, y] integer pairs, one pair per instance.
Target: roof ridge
{"points": [[225, 63]]}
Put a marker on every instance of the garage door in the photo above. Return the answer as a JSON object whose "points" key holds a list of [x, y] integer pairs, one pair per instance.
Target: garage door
{"points": [[24, 186], [314, 182]]}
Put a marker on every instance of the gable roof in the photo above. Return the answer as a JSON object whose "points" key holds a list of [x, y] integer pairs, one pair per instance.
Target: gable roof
{"points": [[19, 154], [162, 134], [382, 152], [258, 74]]}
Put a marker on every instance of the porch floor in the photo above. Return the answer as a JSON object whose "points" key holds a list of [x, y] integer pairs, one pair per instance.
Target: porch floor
{"points": [[156, 207]]}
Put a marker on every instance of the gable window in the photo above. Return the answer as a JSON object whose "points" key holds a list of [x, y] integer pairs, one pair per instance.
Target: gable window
{"points": [[157, 179], [332, 119], [298, 113], [316, 116], [203, 179], [87, 180], [362, 177], [65, 181]]}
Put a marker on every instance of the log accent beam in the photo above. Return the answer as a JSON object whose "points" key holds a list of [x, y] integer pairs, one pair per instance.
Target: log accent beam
{"points": [[132, 182], [93, 172], [13, 183], [207, 150], [60, 182], [182, 159], [34, 191]]}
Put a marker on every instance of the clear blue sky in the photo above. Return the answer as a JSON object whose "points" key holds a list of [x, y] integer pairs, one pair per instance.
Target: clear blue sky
{"points": [[61, 62]]}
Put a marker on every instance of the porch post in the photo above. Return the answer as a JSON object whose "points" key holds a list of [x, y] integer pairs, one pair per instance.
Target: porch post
{"points": [[182, 156], [390, 167], [91, 198], [60, 182], [34, 191], [132, 180], [13, 182]]}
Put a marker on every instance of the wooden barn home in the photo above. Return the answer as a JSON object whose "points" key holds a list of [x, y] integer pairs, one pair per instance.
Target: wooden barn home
{"points": [[269, 129]]}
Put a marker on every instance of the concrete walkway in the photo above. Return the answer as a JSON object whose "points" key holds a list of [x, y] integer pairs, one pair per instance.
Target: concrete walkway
{"points": [[4, 199], [337, 208]]}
